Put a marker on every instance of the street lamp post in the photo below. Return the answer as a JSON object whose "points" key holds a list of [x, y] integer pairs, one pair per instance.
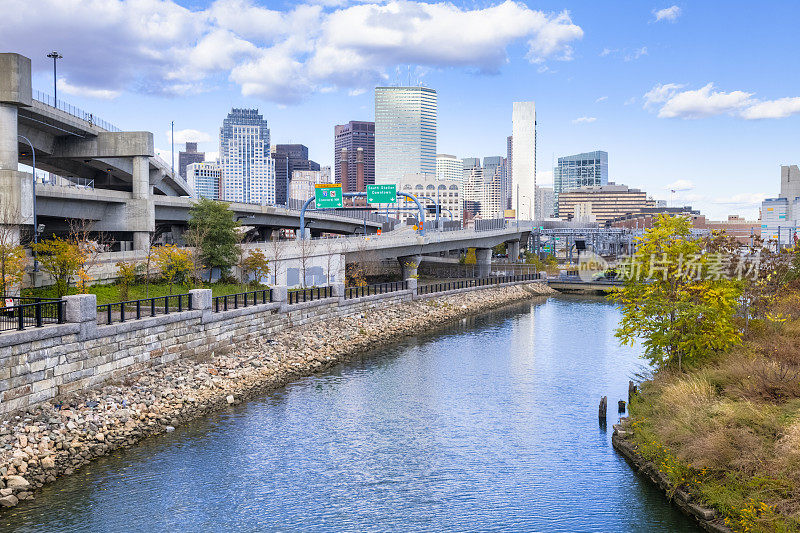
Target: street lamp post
{"points": [[35, 219], [55, 56]]}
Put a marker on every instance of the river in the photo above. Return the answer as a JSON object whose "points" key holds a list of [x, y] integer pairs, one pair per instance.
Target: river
{"points": [[487, 425]]}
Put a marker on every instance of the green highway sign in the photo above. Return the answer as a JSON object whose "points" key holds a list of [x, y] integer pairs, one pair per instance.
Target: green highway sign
{"points": [[382, 194], [327, 195]]}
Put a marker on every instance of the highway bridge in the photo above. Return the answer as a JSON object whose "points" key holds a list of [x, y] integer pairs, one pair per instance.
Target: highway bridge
{"points": [[109, 178]]}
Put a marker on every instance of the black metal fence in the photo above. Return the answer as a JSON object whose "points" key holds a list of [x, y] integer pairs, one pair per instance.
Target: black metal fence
{"points": [[146, 307], [242, 299], [18, 313], [310, 294], [467, 283], [378, 288]]}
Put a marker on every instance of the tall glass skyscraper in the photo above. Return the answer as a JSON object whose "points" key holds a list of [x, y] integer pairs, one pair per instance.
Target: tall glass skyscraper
{"points": [[523, 162], [588, 169], [248, 170], [405, 132]]}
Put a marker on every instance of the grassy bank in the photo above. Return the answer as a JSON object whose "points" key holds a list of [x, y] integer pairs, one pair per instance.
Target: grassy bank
{"points": [[729, 431], [111, 293]]}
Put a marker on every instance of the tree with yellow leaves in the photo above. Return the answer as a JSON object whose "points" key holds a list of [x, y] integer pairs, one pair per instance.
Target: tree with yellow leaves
{"points": [[174, 263], [61, 259], [675, 299]]}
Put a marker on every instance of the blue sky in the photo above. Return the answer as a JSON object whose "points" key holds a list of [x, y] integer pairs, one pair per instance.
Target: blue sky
{"points": [[631, 77]]}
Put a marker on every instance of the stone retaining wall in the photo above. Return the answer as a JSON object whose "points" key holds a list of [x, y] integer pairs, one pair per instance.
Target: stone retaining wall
{"points": [[707, 518], [39, 365]]}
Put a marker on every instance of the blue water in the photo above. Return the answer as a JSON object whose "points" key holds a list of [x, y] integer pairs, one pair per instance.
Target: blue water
{"points": [[488, 425]]}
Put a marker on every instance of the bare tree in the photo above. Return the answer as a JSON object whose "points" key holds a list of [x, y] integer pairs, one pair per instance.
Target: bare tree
{"points": [[331, 249], [306, 248], [194, 238], [277, 248], [91, 245]]}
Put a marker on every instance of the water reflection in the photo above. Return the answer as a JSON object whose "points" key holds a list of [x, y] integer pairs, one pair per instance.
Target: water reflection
{"points": [[489, 425]]}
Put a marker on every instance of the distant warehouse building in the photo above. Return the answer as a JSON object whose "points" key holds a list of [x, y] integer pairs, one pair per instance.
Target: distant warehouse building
{"points": [[604, 202]]}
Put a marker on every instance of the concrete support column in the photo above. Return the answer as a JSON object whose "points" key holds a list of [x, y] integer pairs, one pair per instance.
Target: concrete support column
{"points": [[141, 209], [512, 247], [483, 258], [409, 264], [9, 152]]}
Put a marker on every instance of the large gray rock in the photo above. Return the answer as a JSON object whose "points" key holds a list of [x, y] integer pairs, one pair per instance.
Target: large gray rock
{"points": [[17, 482], [9, 501]]}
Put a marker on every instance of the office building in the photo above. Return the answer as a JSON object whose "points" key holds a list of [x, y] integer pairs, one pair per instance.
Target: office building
{"points": [[482, 184], [301, 186], [589, 169], [281, 162], [189, 156], [523, 169], [296, 159], [448, 192], [248, 171], [405, 132], [449, 167], [545, 205], [780, 216], [352, 136], [605, 202], [205, 178]]}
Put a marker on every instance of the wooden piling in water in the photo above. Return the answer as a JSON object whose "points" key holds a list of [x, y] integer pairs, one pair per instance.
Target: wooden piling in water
{"points": [[631, 391], [621, 406], [603, 412]]}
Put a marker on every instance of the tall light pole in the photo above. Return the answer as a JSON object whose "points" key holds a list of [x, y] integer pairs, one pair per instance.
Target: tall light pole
{"points": [[56, 56], [35, 219], [172, 138]]}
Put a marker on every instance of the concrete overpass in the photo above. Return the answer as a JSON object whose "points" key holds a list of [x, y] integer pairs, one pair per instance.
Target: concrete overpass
{"points": [[133, 192]]}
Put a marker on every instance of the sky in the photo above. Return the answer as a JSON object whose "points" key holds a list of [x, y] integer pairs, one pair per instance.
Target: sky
{"points": [[701, 98]]}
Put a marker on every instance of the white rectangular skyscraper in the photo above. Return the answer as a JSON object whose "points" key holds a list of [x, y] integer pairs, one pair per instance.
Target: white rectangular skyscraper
{"points": [[405, 132], [523, 170], [248, 170]]}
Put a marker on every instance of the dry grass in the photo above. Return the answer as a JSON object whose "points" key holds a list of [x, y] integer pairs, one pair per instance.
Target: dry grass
{"points": [[730, 431]]}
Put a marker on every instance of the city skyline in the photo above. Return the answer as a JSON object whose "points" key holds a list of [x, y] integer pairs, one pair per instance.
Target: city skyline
{"points": [[680, 85]]}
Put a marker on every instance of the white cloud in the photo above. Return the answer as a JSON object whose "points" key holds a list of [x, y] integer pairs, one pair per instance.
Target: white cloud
{"points": [[356, 92], [103, 94], [601, 99], [636, 54], [608, 51], [544, 178], [670, 14], [747, 199], [189, 135], [780, 108], [672, 102], [160, 47], [680, 185], [584, 120]]}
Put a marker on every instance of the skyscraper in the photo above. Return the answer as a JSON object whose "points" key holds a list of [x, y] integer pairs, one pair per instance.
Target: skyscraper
{"points": [[352, 136], [449, 167], [248, 171], [509, 186], [296, 159], [189, 156], [523, 169], [405, 132], [589, 169]]}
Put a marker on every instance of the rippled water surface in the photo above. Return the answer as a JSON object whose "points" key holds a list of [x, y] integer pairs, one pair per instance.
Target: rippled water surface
{"points": [[489, 425]]}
